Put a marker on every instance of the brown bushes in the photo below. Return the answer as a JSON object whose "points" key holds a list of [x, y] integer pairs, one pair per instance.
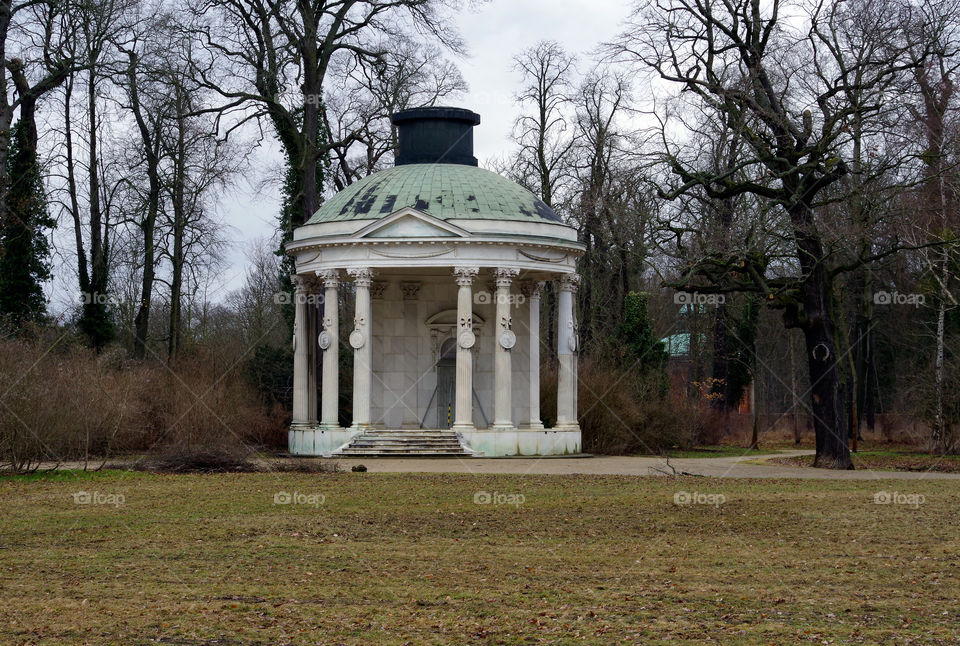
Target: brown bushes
{"points": [[60, 401], [621, 412]]}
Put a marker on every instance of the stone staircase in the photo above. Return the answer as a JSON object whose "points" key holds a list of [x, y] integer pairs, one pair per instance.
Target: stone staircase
{"points": [[406, 444]]}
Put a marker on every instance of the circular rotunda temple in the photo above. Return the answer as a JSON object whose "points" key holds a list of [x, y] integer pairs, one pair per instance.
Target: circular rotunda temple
{"points": [[445, 262]]}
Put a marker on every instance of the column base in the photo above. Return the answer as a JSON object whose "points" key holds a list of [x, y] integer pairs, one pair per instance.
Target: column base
{"points": [[531, 426], [463, 428], [503, 428], [493, 443], [566, 426], [318, 441], [327, 426], [361, 427]]}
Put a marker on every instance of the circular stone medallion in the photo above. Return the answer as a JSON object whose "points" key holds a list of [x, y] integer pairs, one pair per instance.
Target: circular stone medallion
{"points": [[508, 339], [356, 339], [323, 340], [466, 339]]}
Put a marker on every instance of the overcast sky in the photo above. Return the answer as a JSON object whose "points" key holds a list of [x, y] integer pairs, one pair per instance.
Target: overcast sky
{"points": [[494, 33]]}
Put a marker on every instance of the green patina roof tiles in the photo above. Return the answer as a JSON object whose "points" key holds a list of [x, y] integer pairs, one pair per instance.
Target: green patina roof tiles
{"points": [[445, 190]]}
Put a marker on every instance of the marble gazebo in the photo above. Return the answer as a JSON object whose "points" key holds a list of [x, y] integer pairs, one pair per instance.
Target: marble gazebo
{"points": [[446, 262]]}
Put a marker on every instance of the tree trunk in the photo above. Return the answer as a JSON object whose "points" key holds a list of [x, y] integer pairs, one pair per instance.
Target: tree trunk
{"points": [[180, 216], [96, 321], [6, 110], [937, 443], [151, 151], [832, 450]]}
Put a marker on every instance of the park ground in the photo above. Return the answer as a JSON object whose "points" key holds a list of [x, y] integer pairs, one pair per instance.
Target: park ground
{"points": [[453, 558]]}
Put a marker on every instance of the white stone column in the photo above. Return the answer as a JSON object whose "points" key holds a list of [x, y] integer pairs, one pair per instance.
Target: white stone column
{"points": [[310, 340], [531, 291], [301, 354], [505, 340], [463, 406], [362, 346], [567, 355], [410, 291], [329, 342]]}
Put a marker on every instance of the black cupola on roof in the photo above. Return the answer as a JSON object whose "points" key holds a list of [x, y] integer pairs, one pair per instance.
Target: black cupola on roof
{"points": [[435, 135]]}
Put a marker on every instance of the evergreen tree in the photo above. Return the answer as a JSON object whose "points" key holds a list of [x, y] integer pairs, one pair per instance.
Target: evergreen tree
{"points": [[639, 346], [24, 248]]}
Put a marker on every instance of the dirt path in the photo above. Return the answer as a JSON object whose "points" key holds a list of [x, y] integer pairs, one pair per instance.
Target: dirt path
{"points": [[726, 467]]}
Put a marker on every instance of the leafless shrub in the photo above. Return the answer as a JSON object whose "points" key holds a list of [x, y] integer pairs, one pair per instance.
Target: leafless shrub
{"points": [[621, 412], [302, 465], [62, 402]]}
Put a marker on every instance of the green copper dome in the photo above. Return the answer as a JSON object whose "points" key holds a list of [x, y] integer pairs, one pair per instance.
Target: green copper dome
{"points": [[445, 191]]}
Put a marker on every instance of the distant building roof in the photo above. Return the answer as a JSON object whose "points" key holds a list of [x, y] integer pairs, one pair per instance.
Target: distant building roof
{"points": [[677, 345]]}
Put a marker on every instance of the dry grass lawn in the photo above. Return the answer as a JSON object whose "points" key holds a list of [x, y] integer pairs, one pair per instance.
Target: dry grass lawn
{"points": [[412, 559], [881, 459]]}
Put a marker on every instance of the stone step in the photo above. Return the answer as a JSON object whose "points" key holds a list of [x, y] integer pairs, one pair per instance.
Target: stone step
{"points": [[406, 443], [400, 443], [375, 445], [406, 440], [408, 435], [412, 453]]}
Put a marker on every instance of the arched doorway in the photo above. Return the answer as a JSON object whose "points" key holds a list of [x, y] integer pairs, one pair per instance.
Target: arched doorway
{"points": [[446, 383]]}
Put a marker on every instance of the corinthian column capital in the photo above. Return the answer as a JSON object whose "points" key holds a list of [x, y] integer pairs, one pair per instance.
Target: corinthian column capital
{"points": [[505, 275], [570, 282], [301, 283], [465, 275], [362, 276], [330, 277]]}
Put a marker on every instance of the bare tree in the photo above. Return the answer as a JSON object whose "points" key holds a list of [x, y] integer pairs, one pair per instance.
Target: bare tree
{"points": [[271, 59], [936, 78], [785, 83], [544, 128], [200, 166], [148, 106], [363, 95], [38, 32], [90, 203]]}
